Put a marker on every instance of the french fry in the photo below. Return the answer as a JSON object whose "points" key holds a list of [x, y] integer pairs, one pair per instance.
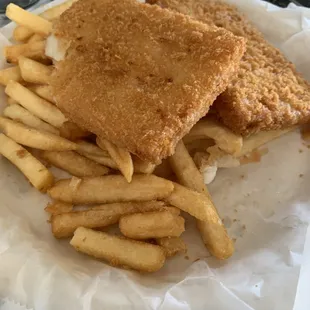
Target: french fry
{"points": [[102, 160], [74, 163], [56, 11], [35, 38], [196, 204], [72, 131], [101, 156], [34, 50], [111, 188], [34, 138], [44, 91], [210, 226], [89, 148], [11, 101], [199, 145], [93, 152], [36, 105], [118, 251], [22, 34], [36, 172], [141, 166], [57, 207], [120, 156], [172, 245], [210, 128], [149, 225], [185, 169], [254, 141], [24, 18], [64, 225], [33, 71], [12, 73], [19, 114]]}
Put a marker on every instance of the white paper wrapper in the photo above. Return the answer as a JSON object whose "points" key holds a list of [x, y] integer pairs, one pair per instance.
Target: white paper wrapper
{"points": [[265, 205]]}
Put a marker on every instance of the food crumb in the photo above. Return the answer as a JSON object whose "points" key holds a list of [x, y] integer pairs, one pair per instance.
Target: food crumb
{"points": [[186, 257], [234, 240], [196, 260], [301, 175], [269, 179], [21, 153], [234, 220], [300, 150], [243, 227]]}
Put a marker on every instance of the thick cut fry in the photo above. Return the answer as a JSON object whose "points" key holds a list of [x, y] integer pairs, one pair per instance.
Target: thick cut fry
{"points": [[33, 71], [112, 188], [44, 91], [34, 50], [41, 140], [172, 245], [35, 171], [12, 73], [141, 166], [64, 225], [22, 34], [72, 131], [58, 207], [11, 101], [35, 38], [56, 11], [119, 251], [121, 157], [74, 163], [211, 229], [224, 137], [149, 225], [196, 204], [36, 105], [24, 18], [19, 114]]}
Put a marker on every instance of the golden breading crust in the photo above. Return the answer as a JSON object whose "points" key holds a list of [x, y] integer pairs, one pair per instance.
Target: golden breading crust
{"points": [[138, 75], [268, 93]]}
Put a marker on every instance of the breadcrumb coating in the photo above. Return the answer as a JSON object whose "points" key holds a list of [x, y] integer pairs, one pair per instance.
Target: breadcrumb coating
{"points": [[138, 75], [267, 93]]}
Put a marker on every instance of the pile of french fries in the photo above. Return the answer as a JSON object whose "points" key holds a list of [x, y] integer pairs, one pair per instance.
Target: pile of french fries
{"points": [[116, 186]]}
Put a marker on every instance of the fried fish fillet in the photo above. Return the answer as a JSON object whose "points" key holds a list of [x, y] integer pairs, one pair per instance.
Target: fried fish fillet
{"points": [[268, 93], [138, 75]]}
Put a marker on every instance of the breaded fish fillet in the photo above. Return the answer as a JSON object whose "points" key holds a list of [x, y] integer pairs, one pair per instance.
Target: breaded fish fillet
{"points": [[268, 93], [138, 75]]}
